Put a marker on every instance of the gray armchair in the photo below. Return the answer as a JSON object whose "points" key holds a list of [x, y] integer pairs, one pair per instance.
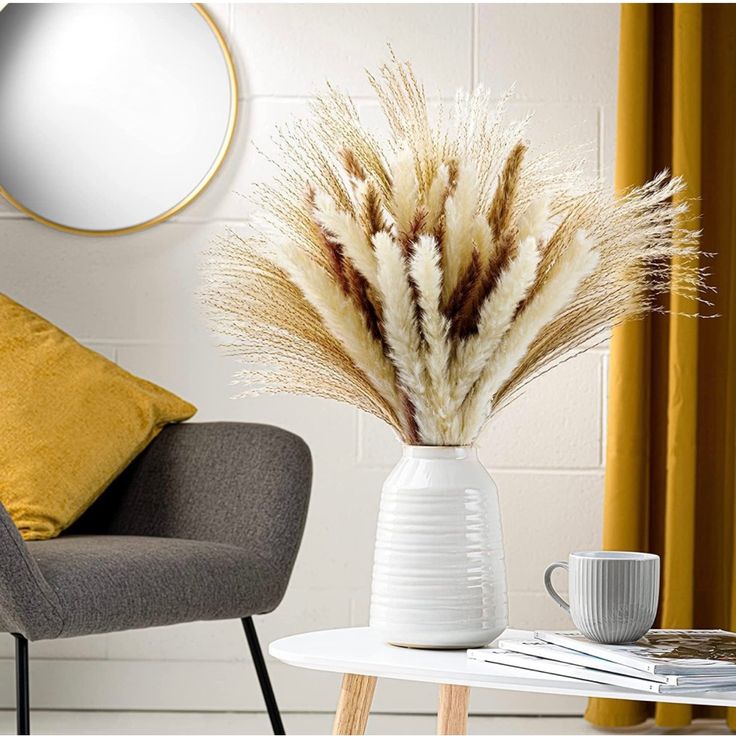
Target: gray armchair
{"points": [[205, 524]]}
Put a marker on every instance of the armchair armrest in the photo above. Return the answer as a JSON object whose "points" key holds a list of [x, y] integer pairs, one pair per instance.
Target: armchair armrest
{"points": [[242, 484], [28, 605]]}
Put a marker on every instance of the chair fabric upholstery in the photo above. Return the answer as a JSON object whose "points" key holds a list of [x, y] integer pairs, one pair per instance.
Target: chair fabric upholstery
{"points": [[204, 524], [114, 583]]}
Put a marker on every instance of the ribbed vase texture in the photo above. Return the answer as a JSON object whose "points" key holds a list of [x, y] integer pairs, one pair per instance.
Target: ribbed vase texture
{"points": [[439, 578], [613, 599]]}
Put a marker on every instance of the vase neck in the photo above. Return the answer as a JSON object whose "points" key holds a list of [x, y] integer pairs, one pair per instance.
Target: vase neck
{"points": [[440, 452]]}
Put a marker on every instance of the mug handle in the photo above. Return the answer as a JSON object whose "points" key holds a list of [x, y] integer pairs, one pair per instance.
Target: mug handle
{"points": [[556, 597]]}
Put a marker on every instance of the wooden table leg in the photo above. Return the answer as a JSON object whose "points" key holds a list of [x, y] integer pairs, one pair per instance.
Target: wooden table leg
{"points": [[452, 714], [354, 705]]}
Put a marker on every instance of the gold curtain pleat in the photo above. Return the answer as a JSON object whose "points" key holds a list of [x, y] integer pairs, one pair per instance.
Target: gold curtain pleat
{"points": [[671, 455]]}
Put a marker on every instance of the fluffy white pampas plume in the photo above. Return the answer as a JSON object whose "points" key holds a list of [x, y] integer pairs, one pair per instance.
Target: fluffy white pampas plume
{"points": [[426, 273]]}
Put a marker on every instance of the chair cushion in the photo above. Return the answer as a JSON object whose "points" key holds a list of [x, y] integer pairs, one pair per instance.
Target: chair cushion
{"points": [[70, 422], [114, 583]]}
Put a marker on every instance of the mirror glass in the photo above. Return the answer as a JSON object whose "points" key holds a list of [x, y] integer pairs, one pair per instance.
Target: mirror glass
{"points": [[112, 117]]}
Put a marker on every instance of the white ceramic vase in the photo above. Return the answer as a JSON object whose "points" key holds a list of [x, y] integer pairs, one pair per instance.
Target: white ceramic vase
{"points": [[439, 579]]}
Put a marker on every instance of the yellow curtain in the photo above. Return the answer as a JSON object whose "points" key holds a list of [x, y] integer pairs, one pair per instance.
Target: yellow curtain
{"points": [[670, 463]]}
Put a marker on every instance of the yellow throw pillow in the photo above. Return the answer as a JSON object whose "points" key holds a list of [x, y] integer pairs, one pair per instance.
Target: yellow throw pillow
{"points": [[70, 422]]}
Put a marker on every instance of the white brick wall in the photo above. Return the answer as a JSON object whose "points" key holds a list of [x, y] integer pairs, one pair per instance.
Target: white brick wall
{"points": [[133, 299]]}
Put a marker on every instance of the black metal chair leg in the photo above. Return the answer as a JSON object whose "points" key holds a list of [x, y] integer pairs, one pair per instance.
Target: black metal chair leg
{"points": [[23, 702], [263, 678]]}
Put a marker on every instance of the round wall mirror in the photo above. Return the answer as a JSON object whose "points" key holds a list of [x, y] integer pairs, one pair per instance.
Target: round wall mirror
{"points": [[112, 117]]}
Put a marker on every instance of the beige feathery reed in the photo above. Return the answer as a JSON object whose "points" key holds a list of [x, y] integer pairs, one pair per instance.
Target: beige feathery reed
{"points": [[428, 278]]}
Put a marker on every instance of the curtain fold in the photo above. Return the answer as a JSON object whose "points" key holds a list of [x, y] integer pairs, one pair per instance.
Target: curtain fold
{"points": [[671, 457]]}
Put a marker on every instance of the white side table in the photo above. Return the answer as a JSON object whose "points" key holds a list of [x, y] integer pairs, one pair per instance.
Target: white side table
{"points": [[362, 657]]}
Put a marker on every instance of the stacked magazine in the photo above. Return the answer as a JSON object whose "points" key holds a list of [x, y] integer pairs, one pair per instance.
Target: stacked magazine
{"points": [[663, 661]]}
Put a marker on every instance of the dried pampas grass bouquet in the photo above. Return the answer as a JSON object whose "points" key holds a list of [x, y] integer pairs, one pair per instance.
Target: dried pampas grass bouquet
{"points": [[428, 278]]}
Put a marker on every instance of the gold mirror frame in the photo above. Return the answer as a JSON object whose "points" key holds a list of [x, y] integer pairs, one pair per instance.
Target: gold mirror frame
{"points": [[217, 163]]}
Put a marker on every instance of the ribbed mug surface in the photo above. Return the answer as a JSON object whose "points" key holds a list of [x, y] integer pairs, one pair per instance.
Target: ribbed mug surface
{"points": [[613, 595], [439, 579]]}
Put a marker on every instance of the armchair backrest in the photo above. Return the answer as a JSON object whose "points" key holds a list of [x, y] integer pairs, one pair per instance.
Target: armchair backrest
{"points": [[231, 482]]}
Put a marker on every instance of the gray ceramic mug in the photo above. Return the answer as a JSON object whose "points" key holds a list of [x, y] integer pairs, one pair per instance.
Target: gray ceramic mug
{"points": [[613, 595]]}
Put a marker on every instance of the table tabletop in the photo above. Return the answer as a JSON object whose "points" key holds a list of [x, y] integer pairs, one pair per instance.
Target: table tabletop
{"points": [[361, 651]]}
